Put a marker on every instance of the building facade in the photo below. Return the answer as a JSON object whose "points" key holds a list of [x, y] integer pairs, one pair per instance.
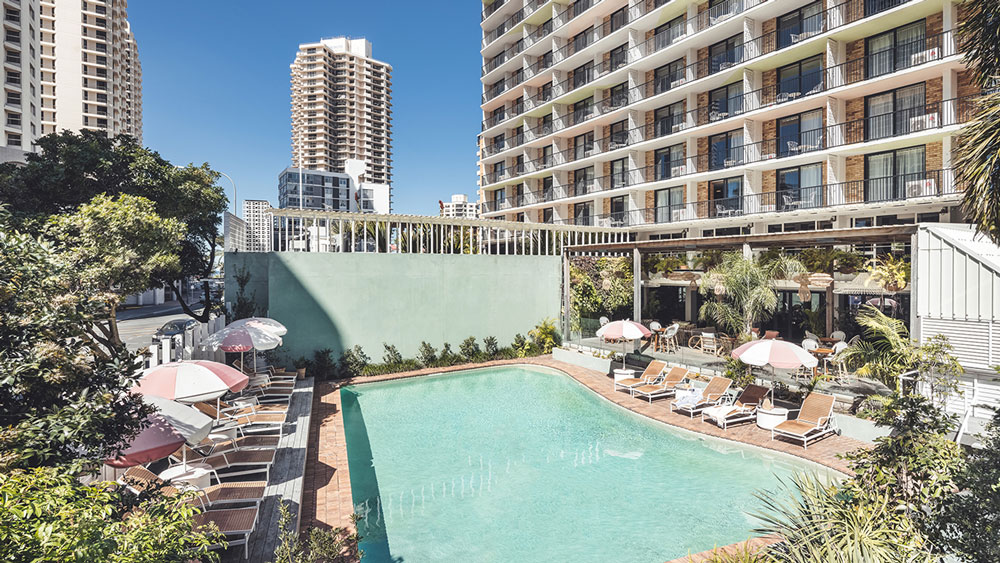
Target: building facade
{"points": [[460, 207], [258, 225], [332, 191], [342, 108], [684, 119]]}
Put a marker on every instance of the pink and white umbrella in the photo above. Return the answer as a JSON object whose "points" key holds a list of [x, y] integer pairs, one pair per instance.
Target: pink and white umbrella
{"points": [[776, 353], [263, 323], [157, 441], [192, 382], [242, 339], [624, 331]]}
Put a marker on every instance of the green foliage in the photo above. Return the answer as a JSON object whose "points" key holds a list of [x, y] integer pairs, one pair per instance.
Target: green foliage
{"points": [[427, 354], [873, 407], [323, 366], [521, 346], [708, 259], [352, 363], [322, 545], [244, 307], [393, 367], [545, 336], [491, 347], [740, 373], [830, 261], [814, 321], [662, 263], [600, 286], [892, 273], [469, 349], [63, 399], [743, 290], [447, 357], [47, 514], [392, 355]]}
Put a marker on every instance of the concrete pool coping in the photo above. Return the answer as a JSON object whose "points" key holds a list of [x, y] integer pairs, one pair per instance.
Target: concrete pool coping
{"points": [[327, 498]]}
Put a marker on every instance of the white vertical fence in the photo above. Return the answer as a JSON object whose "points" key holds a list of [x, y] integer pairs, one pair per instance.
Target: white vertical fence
{"points": [[185, 346]]}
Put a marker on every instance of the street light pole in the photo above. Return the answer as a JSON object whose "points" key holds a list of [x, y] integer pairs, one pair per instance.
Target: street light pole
{"points": [[235, 200]]}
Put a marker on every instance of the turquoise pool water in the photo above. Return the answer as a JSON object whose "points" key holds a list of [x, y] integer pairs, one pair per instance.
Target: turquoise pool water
{"points": [[525, 464]]}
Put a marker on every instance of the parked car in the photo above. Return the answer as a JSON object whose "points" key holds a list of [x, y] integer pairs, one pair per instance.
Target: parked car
{"points": [[173, 328]]}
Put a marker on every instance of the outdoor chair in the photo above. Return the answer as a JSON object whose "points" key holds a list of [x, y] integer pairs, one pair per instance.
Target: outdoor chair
{"points": [[812, 336], [808, 345], [244, 421], [791, 203], [712, 395], [709, 343], [230, 464], [655, 328], [652, 373], [241, 442], [835, 359], [744, 409], [252, 407], [666, 387], [264, 370], [838, 335], [815, 420], [140, 479], [668, 341], [604, 321], [771, 334], [238, 522], [854, 340]]}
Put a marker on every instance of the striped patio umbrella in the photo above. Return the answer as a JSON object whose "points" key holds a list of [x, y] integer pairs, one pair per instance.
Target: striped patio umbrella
{"points": [[242, 339], [192, 381], [157, 441], [263, 323]]}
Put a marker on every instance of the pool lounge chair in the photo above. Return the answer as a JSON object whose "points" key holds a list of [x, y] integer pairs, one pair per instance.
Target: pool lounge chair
{"points": [[265, 370], [652, 373], [815, 420], [257, 422], [743, 410], [232, 463], [140, 479], [666, 387], [252, 442], [238, 522], [713, 394], [250, 406]]}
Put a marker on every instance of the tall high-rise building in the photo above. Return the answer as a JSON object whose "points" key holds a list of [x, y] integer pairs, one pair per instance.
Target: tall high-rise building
{"points": [[459, 207], [69, 66], [691, 118], [341, 108], [259, 225]]}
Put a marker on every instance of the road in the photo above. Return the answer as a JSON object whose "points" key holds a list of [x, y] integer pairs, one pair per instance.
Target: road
{"points": [[138, 332]]}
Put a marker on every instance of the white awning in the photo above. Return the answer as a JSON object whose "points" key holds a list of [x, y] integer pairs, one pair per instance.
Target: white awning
{"points": [[863, 284]]}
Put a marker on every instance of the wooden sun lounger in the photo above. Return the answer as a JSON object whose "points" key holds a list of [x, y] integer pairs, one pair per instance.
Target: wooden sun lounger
{"points": [[815, 420], [239, 522], [139, 478], [712, 395], [651, 374], [666, 387], [743, 410]]}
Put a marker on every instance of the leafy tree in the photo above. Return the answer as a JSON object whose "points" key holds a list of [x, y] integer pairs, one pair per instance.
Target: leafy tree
{"points": [[743, 290], [71, 169], [392, 355], [47, 514], [59, 403], [244, 307], [336, 545], [491, 347], [112, 248]]}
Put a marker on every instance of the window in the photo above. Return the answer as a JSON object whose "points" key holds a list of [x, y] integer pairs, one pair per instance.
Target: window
{"points": [[725, 150], [545, 125], [668, 33], [547, 194], [583, 213], [668, 119], [800, 133], [725, 54], [895, 50], [800, 25], [617, 206], [547, 215], [619, 95], [800, 187], [545, 61], [499, 199], [583, 145], [873, 7], [619, 173], [582, 110], [583, 180], [581, 6], [582, 39], [498, 142], [618, 20], [498, 169], [583, 74], [669, 204], [894, 174], [669, 162], [519, 195], [725, 101], [13, 57], [14, 119], [667, 76], [802, 78], [618, 133], [618, 57], [896, 112], [13, 99], [519, 217], [726, 196], [546, 156], [545, 92]]}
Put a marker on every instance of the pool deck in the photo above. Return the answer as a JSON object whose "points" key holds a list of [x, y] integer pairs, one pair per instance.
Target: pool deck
{"points": [[326, 499]]}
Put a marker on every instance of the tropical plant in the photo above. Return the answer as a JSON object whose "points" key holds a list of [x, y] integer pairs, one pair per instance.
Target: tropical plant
{"points": [[891, 273], [662, 263], [831, 260], [48, 514], [741, 374], [321, 545], [392, 355], [491, 347], [352, 362], [743, 290], [323, 365], [708, 259], [469, 349], [427, 355], [545, 336], [522, 347], [244, 306], [447, 357], [600, 286]]}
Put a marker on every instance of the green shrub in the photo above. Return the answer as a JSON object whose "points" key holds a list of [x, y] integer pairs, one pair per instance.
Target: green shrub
{"points": [[392, 355], [390, 367], [447, 357], [521, 347], [353, 362], [873, 406], [470, 349], [427, 355], [323, 365], [739, 372], [491, 347], [545, 336]]}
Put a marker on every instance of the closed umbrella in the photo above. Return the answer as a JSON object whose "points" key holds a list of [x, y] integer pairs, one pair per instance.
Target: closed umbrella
{"points": [[157, 441], [242, 339], [264, 323], [192, 381], [624, 331]]}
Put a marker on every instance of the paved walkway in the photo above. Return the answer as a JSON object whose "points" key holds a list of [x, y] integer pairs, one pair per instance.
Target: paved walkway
{"points": [[327, 499]]}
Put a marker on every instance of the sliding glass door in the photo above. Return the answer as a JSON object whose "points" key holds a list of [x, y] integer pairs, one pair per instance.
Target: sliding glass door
{"points": [[887, 174], [896, 112]]}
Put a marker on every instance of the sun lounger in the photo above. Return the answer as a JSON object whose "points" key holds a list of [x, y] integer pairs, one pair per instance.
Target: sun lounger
{"points": [[666, 387], [743, 410], [652, 373], [251, 442], [231, 463], [815, 420], [246, 422], [252, 407], [713, 394], [265, 370], [238, 522], [140, 479]]}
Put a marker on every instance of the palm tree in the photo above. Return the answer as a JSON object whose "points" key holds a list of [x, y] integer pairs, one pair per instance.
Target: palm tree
{"points": [[743, 290], [978, 153], [886, 350]]}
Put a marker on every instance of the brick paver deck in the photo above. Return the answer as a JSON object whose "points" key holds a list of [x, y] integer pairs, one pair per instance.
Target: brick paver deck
{"points": [[327, 497]]}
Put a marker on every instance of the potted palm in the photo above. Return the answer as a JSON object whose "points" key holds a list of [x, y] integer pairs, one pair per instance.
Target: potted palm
{"points": [[891, 273], [300, 366]]}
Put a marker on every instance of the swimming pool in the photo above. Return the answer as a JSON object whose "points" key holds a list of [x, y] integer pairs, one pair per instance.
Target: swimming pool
{"points": [[520, 463]]}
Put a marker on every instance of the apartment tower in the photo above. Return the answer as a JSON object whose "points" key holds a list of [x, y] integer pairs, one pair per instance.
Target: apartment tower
{"points": [[690, 119], [341, 109]]}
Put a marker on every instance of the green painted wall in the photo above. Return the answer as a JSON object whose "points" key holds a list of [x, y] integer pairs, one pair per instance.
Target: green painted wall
{"points": [[341, 300]]}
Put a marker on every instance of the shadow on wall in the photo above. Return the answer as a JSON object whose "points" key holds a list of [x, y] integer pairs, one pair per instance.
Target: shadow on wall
{"points": [[296, 306]]}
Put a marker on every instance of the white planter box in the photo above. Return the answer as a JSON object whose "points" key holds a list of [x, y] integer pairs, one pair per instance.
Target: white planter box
{"points": [[584, 360]]}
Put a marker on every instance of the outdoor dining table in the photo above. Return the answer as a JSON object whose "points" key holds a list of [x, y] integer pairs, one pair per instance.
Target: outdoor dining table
{"points": [[829, 341], [821, 353]]}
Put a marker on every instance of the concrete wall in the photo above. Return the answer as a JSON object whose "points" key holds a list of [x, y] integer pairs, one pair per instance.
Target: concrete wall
{"points": [[340, 300]]}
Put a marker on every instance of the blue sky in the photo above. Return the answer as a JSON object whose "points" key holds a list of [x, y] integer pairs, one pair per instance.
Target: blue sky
{"points": [[216, 86]]}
